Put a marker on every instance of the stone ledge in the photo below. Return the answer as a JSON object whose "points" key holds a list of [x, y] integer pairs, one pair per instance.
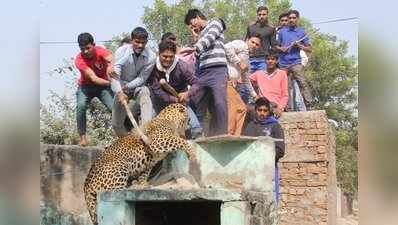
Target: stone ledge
{"points": [[153, 194], [232, 138]]}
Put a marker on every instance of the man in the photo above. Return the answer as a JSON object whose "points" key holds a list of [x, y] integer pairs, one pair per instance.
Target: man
{"points": [[178, 75], [272, 83], [213, 70], [190, 58], [268, 43], [292, 39], [265, 124], [238, 63], [296, 101], [95, 66], [133, 65]]}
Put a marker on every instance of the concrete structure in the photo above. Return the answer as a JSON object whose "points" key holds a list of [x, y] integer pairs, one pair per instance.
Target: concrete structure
{"points": [[308, 177], [227, 174]]}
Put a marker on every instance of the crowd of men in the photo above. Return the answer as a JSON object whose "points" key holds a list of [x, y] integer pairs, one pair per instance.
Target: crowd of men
{"points": [[242, 85]]}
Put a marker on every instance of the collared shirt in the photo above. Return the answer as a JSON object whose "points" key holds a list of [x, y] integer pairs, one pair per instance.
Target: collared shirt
{"points": [[286, 36], [272, 86], [132, 70]]}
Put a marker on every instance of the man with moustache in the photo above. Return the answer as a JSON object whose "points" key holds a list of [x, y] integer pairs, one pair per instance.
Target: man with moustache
{"points": [[289, 57], [133, 65], [268, 43], [261, 26], [178, 74]]}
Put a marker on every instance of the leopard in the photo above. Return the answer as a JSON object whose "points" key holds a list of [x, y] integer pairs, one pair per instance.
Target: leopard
{"points": [[127, 162]]}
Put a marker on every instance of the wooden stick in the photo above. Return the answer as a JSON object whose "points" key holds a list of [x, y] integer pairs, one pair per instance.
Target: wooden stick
{"points": [[144, 138], [168, 88]]}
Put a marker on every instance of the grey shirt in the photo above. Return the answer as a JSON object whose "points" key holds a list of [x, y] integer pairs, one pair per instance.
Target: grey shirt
{"points": [[132, 70], [267, 35]]}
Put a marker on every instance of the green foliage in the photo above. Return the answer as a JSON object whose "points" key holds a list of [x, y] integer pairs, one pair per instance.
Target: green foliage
{"points": [[58, 122], [116, 42], [56, 119], [164, 18], [347, 160]]}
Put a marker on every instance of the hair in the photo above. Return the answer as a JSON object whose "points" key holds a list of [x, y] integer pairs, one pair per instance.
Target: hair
{"points": [[293, 11], [262, 101], [192, 14], [167, 45], [272, 54], [261, 8], [140, 33], [84, 39], [257, 35], [285, 14], [168, 36]]}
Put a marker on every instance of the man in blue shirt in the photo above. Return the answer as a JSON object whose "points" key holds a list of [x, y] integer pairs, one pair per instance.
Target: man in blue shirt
{"points": [[292, 39]]}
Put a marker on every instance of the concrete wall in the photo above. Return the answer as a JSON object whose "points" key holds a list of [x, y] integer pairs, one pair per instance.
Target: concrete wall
{"points": [[222, 163], [308, 170], [63, 170]]}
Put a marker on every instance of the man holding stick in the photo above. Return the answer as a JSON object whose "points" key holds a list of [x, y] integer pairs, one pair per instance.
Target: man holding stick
{"points": [[169, 82], [133, 65]]}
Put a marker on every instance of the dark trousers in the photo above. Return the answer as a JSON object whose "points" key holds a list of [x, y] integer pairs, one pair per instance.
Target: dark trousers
{"points": [[212, 95]]}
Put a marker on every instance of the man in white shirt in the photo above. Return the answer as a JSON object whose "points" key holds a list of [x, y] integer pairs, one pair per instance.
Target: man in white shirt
{"points": [[237, 52]]}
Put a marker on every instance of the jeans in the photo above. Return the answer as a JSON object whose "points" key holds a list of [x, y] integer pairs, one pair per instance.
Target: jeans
{"points": [[296, 100], [277, 184], [84, 95], [142, 103]]}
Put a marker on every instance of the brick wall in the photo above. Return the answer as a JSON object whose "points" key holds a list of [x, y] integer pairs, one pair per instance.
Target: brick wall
{"points": [[308, 172]]}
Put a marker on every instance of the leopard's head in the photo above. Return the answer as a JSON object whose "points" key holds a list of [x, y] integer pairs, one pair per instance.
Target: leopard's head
{"points": [[178, 115]]}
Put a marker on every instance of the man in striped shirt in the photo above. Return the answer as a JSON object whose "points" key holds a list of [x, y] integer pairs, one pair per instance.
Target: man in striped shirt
{"points": [[213, 71]]}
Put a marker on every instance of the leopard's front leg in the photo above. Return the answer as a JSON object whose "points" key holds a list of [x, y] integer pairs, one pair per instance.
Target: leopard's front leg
{"points": [[163, 146]]}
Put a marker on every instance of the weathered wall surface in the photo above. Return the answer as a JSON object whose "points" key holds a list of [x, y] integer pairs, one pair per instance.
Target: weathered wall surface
{"points": [[308, 177], [63, 170], [308, 171]]}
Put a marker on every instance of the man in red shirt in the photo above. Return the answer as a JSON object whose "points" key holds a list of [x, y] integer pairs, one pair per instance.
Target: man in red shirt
{"points": [[272, 83], [95, 66]]}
